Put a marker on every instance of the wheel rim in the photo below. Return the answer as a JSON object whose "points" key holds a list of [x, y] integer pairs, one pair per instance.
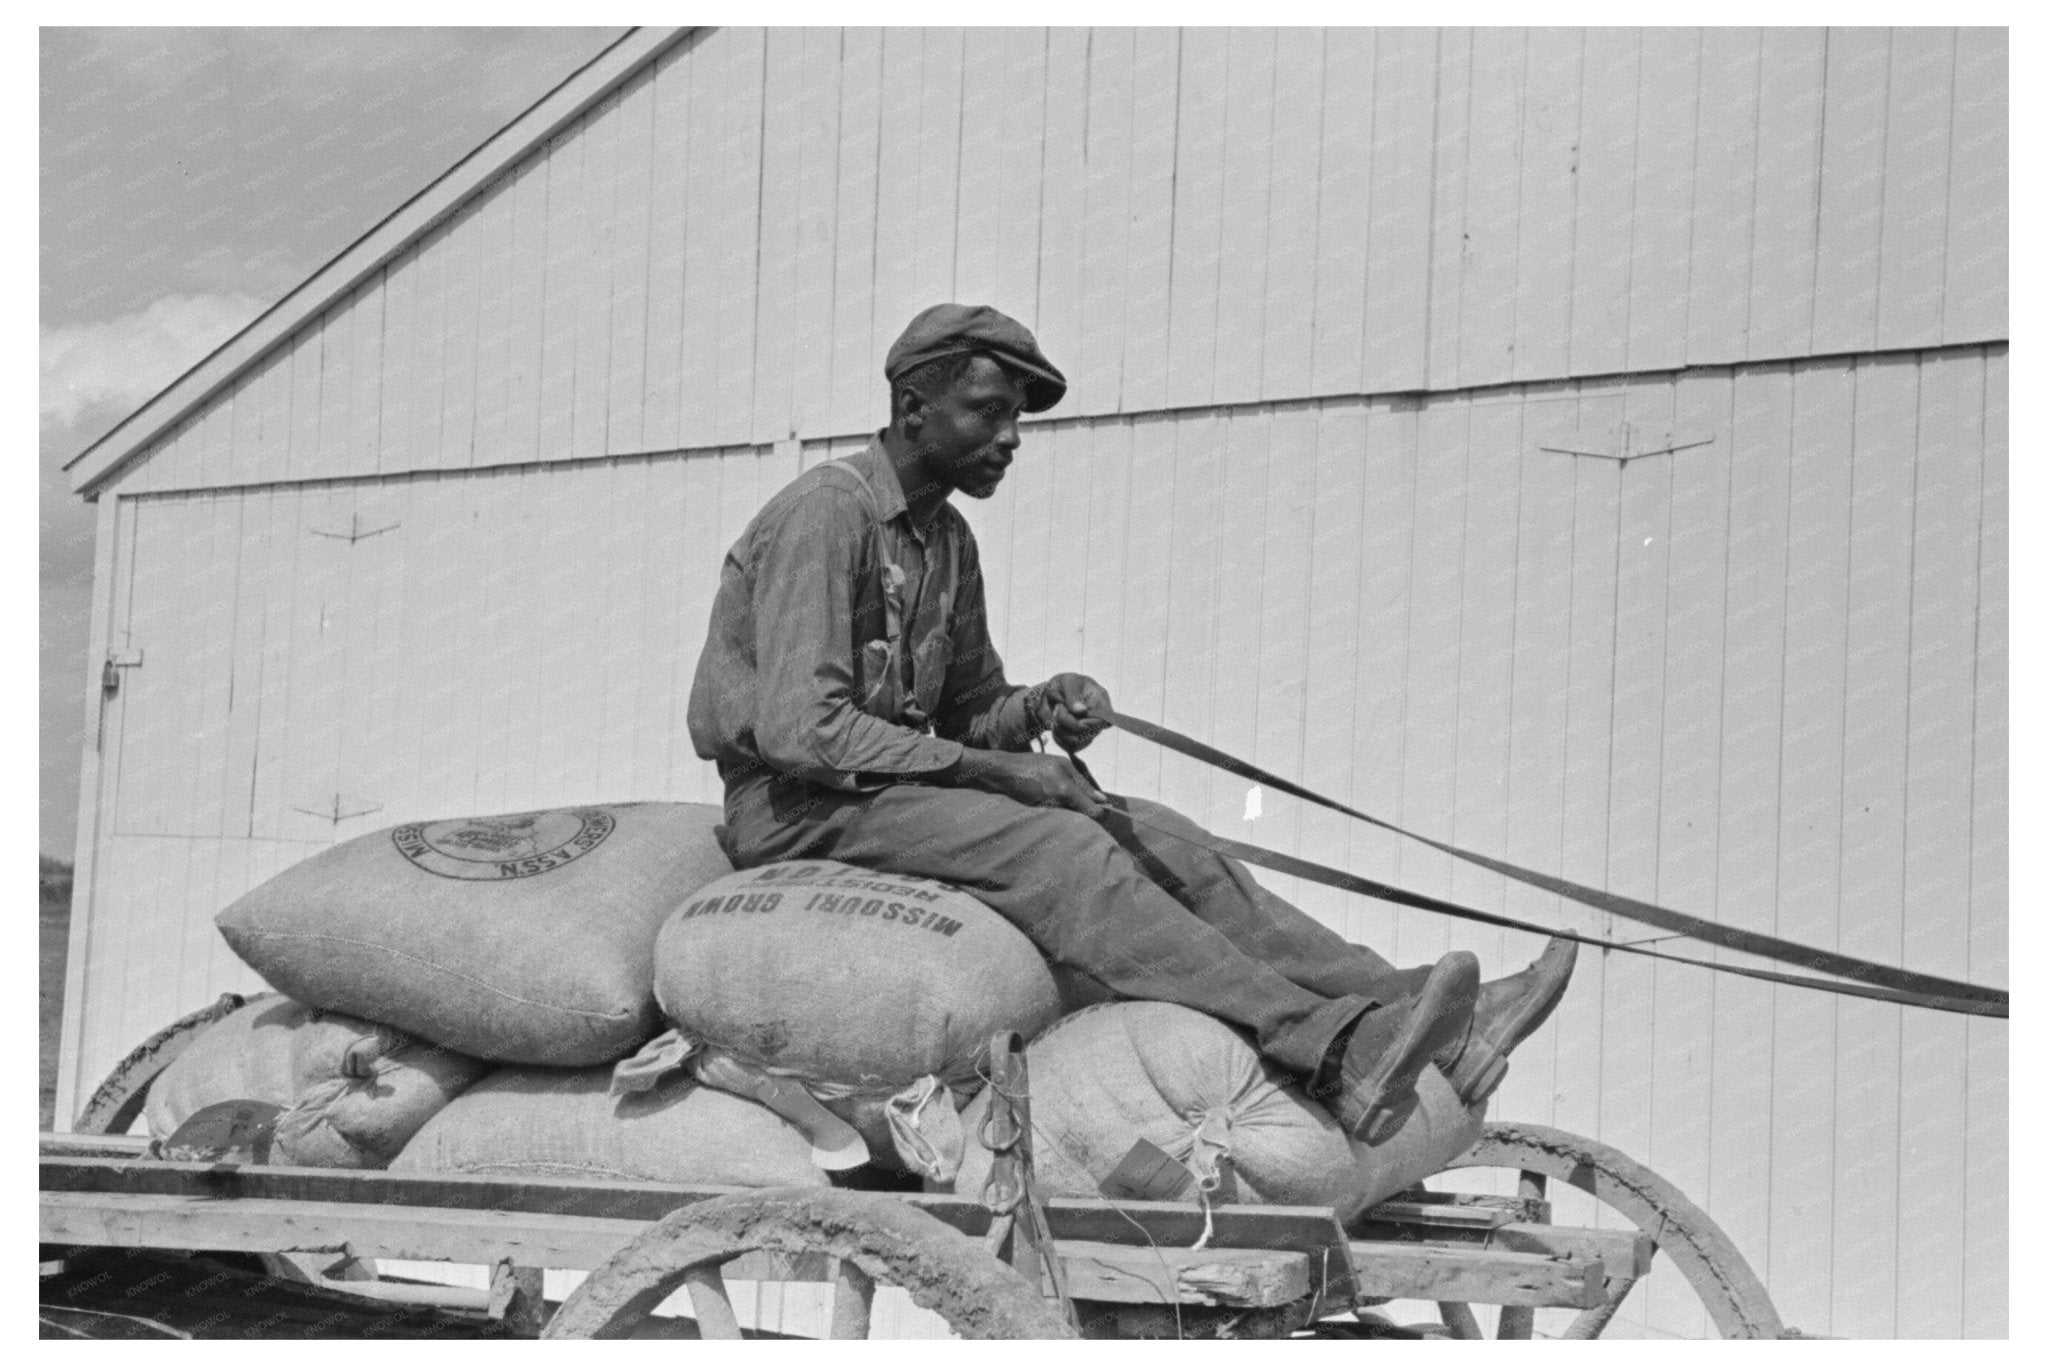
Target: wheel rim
{"points": [[120, 1098], [1710, 1262], [876, 1239]]}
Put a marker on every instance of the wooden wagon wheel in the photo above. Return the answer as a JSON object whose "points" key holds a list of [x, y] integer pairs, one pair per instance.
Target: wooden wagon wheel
{"points": [[875, 1238], [1734, 1298], [120, 1098]]}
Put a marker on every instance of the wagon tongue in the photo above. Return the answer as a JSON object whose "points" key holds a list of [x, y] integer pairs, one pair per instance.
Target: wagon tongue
{"points": [[227, 1131]]}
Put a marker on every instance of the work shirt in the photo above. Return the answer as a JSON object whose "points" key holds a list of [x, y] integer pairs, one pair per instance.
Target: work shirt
{"points": [[849, 646]]}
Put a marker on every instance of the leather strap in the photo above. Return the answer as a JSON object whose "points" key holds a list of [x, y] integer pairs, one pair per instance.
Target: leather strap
{"points": [[1874, 981]]}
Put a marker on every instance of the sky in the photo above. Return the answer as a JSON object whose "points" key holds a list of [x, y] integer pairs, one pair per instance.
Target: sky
{"points": [[189, 177]]}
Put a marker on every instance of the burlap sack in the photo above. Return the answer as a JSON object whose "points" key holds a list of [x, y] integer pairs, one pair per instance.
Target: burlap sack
{"points": [[525, 938], [857, 984], [1113, 1074], [559, 1122], [353, 1092]]}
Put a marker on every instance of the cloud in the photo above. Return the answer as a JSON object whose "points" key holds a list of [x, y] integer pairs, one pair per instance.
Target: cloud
{"points": [[126, 360]]}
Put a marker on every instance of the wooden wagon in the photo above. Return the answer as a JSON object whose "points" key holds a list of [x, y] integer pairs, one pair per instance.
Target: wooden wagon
{"points": [[137, 1245]]}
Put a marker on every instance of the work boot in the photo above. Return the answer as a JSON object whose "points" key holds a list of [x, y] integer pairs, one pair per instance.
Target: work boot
{"points": [[1509, 1010], [1374, 1085]]}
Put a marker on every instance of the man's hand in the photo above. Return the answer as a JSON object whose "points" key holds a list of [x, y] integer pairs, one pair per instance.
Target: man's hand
{"points": [[1079, 708], [1032, 779]]}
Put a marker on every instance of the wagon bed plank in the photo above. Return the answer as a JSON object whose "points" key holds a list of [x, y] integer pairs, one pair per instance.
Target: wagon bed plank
{"points": [[1244, 1277], [199, 1223], [132, 1294], [1422, 1271], [1625, 1252]]}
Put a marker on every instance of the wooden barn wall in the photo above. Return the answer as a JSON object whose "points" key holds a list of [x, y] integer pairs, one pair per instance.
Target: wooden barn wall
{"points": [[1759, 678], [721, 253]]}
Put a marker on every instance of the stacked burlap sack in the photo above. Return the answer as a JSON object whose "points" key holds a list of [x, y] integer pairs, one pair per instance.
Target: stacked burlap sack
{"points": [[875, 994], [1110, 1077], [473, 943], [352, 1092], [652, 1015], [525, 939]]}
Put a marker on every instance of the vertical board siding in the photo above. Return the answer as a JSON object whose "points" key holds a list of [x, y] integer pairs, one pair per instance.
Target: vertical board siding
{"points": [[1873, 826], [1197, 214], [1488, 255], [860, 132], [1332, 649], [1974, 264], [704, 212], [1933, 1114], [1916, 164], [660, 399], [1105, 213], [1853, 188], [1660, 234], [1538, 704], [722, 251], [1449, 233], [1640, 716], [783, 189], [1759, 679], [1986, 1205], [1250, 151], [632, 271], [1149, 251], [1791, 83], [736, 259], [1291, 227], [1398, 233], [810, 342], [1606, 201], [1343, 209], [1807, 1027], [1762, 679], [1547, 203], [1724, 197], [1689, 786]]}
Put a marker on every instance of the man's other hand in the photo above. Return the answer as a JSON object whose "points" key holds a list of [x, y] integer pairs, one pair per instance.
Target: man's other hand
{"points": [[1080, 710], [1032, 779]]}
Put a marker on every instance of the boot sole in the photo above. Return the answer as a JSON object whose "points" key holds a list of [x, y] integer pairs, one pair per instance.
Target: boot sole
{"points": [[1480, 1070], [1439, 1013]]}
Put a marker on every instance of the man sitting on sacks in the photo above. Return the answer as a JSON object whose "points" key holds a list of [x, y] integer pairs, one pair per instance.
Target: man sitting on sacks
{"points": [[857, 711]]}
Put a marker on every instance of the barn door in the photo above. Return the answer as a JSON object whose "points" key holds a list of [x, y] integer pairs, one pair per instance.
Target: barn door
{"points": [[204, 604]]}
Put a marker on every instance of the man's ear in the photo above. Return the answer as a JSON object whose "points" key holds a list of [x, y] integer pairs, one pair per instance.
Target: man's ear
{"points": [[910, 407]]}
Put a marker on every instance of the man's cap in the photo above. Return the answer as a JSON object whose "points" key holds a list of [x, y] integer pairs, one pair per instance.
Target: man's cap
{"points": [[954, 329]]}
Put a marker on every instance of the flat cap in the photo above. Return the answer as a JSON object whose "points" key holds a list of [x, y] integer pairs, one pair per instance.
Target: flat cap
{"points": [[954, 329]]}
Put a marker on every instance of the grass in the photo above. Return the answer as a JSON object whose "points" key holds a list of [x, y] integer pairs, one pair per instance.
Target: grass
{"points": [[54, 933]]}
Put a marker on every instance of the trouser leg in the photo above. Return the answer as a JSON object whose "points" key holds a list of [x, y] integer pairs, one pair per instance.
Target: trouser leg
{"points": [[1060, 878], [1223, 893]]}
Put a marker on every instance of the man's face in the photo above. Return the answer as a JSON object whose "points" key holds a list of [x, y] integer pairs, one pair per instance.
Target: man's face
{"points": [[970, 432]]}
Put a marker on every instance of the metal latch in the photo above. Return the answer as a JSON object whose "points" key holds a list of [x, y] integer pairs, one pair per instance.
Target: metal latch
{"points": [[117, 660]]}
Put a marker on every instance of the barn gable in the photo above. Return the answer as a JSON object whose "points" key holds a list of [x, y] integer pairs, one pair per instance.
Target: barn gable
{"points": [[721, 242]]}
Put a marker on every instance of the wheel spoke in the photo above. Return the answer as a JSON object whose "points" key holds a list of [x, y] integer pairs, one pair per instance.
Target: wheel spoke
{"points": [[890, 1240], [1697, 1248], [1592, 1322], [853, 1302], [1464, 1325], [711, 1304], [1517, 1323]]}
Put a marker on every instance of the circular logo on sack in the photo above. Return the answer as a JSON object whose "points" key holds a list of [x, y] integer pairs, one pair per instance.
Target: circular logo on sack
{"points": [[492, 848]]}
